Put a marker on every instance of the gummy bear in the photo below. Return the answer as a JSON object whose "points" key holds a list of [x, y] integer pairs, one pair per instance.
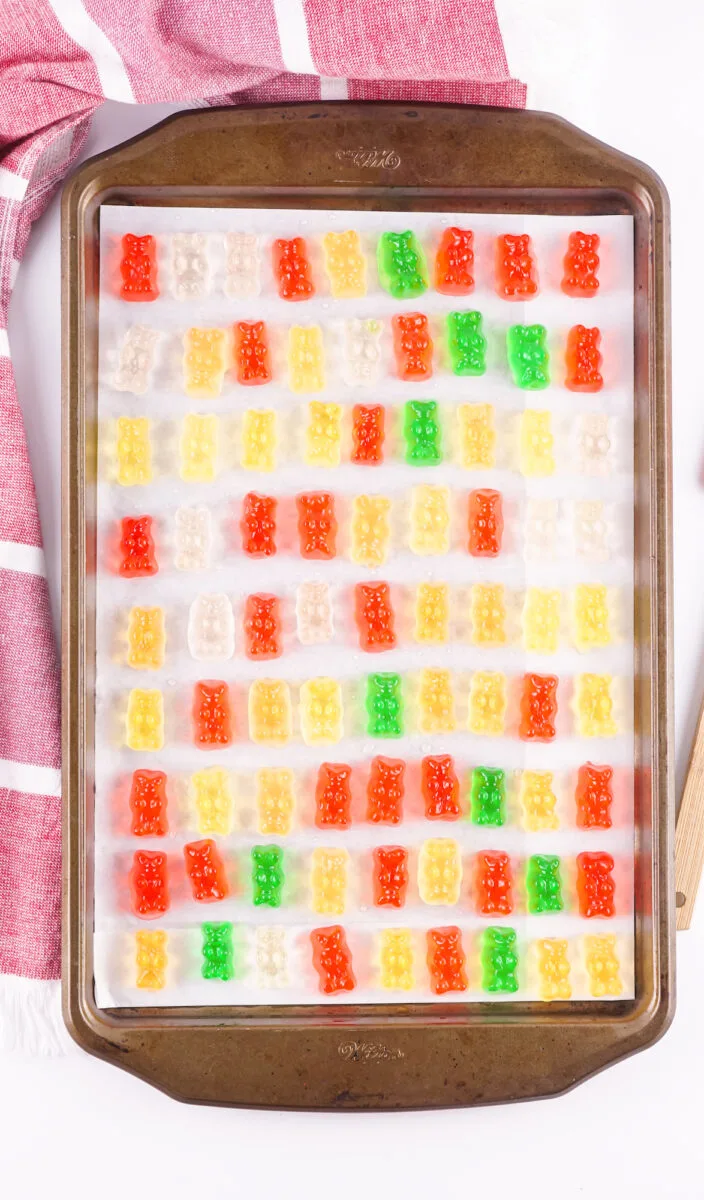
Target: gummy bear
{"points": [[601, 961], [361, 363], [267, 875], [516, 275], [538, 708], [251, 353], [313, 613], [242, 265], [370, 530], [488, 614], [306, 359], [189, 265], [211, 627], [328, 880], [292, 270], [446, 960], [332, 960], [193, 539], [544, 884], [487, 796], [396, 960], [321, 711], [439, 871], [212, 714], [413, 347], [536, 443], [148, 804], [591, 530], [540, 529], [583, 360], [553, 969], [487, 703], [136, 360], [275, 800], [454, 262], [591, 617], [258, 525], [317, 526], [384, 705], [594, 444], [528, 356], [541, 620], [440, 788], [477, 436], [493, 883], [594, 796], [385, 790], [333, 796], [134, 451], [421, 431], [486, 523], [499, 959], [594, 706], [203, 363], [368, 434], [430, 519], [211, 790], [206, 871], [432, 612], [345, 264], [271, 956], [138, 268], [218, 951], [270, 712], [374, 616], [538, 801], [466, 343], [323, 434], [146, 639], [259, 438], [390, 877], [145, 719], [151, 959], [436, 702], [595, 884], [137, 550], [401, 265], [581, 264], [199, 448], [149, 883], [262, 627]]}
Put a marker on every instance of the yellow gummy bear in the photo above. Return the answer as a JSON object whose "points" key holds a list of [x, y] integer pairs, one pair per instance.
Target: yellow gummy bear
{"points": [[259, 440], [591, 617], [321, 711], [487, 703], [603, 968], [145, 719], [199, 446], [430, 519], [488, 614], [151, 959], [323, 434], [554, 969], [306, 371], [538, 801], [270, 712], [432, 612], [436, 703], [345, 265], [134, 451], [371, 530], [541, 620], [203, 363], [477, 436], [439, 871], [328, 880], [146, 639], [275, 800], [212, 798], [594, 706], [536, 450], [396, 959]]}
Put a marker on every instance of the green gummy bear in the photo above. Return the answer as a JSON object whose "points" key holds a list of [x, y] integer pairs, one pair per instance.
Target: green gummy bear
{"points": [[528, 356], [218, 953], [267, 875], [543, 884], [384, 705], [422, 433], [487, 796], [466, 343], [499, 959], [401, 265]]}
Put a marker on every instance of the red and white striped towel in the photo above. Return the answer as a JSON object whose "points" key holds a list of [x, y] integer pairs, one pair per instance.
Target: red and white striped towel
{"points": [[59, 59]]}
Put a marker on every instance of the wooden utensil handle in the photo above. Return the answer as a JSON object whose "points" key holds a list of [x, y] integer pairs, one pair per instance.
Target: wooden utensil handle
{"points": [[689, 835]]}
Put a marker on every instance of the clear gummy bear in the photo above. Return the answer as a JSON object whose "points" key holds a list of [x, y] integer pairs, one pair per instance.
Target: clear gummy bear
{"points": [[242, 265], [136, 359], [594, 444], [541, 528], [591, 530], [211, 627], [189, 265], [271, 956], [362, 352], [313, 613], [193, 539]]}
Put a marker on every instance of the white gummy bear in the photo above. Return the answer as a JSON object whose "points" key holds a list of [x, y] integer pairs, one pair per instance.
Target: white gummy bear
{"points": [[271, 956], [362, 352], [594, 444], [313, 613], [136, 360], [591, 531], [193, 539], [189, 264], [242, 261], [211, 627], [541, 528]]}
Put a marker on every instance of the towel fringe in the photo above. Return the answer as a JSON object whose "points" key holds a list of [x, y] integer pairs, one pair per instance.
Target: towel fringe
{"points": [[30, 1016]]}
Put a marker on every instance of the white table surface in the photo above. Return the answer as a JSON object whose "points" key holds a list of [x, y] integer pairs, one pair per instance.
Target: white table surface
{"points": [[630, 75]]}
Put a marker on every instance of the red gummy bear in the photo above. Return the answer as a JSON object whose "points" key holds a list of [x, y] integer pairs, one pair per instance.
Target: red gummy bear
{"points": [[149, 883], [148, 804], [374, 616], [446, 960], [262, 627], [212, 714], [538, 708], [583, 360], [594, 796], [332, 960], [292, 269], [413, 346], [138, 268], [317, 527], [581, 265], [137, 553], [486, 523], [333, 796], [258, 525], [454, 262], [440, 787], [493, 883], [251, 352], [516, 277], [385, 790], [390, 878], [206, 871], [595, 886], [368, 433]]}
